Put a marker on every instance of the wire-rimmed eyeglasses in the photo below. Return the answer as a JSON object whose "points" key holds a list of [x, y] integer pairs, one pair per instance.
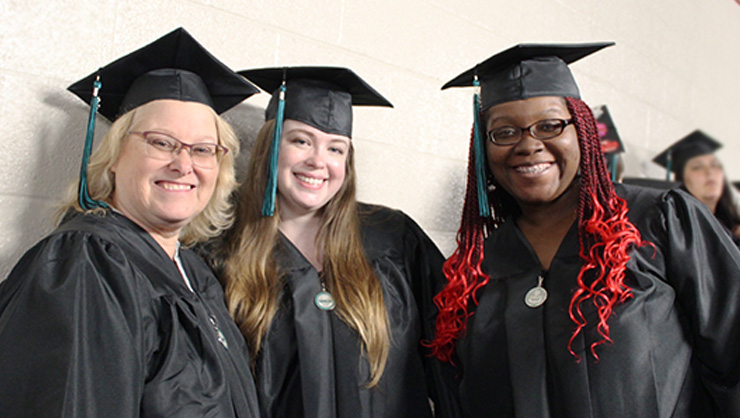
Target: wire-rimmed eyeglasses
{"points": [[165, 147]]}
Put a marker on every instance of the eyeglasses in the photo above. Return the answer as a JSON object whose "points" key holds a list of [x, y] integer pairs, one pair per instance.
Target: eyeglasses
{"points": [[165, 147], [542, 129]]}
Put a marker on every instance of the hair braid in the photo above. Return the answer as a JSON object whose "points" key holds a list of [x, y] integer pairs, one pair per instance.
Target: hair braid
{"points": [[462, 269], [605, 233]]}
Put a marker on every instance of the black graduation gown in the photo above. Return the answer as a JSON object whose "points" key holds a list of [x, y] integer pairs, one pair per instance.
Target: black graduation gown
{"points": [[311, 363], [96, 321], [676, 347]]}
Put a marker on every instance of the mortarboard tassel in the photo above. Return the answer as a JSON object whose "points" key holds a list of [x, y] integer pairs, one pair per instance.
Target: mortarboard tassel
{"points": [[483, 208], [668, 164], [85, 201], [613, 160], [268, 205]]}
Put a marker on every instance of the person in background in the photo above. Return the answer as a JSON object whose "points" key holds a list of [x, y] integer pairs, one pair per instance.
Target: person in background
{"points": [[611, 143], [700, 172], [333, 296], [569, 295], [110, 315]]}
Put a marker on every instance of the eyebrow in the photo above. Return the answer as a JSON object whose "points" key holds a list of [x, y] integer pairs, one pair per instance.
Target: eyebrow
{"points": [[545, 112], [201, 139]]}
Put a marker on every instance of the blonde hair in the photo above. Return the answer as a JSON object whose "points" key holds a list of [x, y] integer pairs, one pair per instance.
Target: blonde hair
{"points": [[218, 213], [254, 281]]}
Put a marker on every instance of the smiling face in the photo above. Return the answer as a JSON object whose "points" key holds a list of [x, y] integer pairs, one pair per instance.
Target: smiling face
{"points": [[311, 168], [533, 171], [163, 196], [704, 178]]}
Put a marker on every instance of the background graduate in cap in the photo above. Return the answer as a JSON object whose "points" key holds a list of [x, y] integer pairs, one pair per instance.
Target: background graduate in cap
{"points": [[330, 294], [611, 143], [568, 295], [700, 172], [108, 316]]}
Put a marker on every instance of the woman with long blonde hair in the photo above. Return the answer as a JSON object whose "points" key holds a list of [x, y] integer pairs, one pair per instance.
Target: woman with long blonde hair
{"points": [[329, 293]]}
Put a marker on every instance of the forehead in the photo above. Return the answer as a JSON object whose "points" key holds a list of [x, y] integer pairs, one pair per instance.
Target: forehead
{"points": [[529, 108], [176, 115], [703, 159], [294, 125]]}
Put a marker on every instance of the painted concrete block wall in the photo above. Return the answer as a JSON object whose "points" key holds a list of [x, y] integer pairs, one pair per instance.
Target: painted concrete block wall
{"points": [[675, 68]]}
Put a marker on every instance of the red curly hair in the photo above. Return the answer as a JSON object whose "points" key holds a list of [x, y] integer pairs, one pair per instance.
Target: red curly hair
{"points": [[606, 237]]}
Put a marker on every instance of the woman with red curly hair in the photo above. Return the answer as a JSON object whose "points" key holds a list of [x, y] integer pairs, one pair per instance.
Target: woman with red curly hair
{"points": [[569, 296]]}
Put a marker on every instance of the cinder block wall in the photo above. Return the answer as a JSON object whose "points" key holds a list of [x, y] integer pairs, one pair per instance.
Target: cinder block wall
{"points": [[675, 68]]}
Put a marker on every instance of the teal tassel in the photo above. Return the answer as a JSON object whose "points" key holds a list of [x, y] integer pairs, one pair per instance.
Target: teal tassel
{"points": [[86, 202], [668, 164], [613, 159], [268, 205], [479, 152]]}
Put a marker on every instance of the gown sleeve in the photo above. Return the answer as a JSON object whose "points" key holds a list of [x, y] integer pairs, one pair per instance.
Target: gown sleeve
{"points": [[424, 266], [703, 266], [69, 333]]}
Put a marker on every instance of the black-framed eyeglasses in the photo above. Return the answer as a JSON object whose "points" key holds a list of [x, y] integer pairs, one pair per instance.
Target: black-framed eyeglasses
{"points": [[542, 129], [165, 147]]}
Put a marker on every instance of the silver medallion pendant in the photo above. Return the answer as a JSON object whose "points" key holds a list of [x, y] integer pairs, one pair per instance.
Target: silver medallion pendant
{"points": [[324, 301], [536, 296]]}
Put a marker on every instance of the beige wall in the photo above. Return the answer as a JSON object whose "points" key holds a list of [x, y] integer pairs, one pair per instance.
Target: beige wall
{"points": [[675, 68]]}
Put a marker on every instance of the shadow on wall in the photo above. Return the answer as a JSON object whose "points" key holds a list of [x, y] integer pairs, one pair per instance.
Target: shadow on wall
{"points": [[55, 167], [246, 120]]}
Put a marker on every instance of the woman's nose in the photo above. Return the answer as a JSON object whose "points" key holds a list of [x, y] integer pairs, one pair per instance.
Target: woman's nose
{"points": [[528, 144], [182, 161]]}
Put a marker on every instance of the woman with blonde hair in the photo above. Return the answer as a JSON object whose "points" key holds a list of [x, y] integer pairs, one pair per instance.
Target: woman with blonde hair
{"points": [[330, 294], [110, 315]]}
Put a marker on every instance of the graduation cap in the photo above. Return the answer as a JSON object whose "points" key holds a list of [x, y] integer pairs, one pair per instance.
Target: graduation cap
{"points": [[674, 157], [611, 143], [321, 97], [520, 72], [174, 66], [525, 71]]}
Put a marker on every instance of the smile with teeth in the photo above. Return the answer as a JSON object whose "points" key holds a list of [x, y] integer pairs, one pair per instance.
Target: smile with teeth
{"points": [[174, 186], [532, 169], [309, 180]]}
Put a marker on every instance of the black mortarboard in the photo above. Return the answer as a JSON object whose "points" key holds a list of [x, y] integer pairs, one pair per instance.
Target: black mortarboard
{"points": [[674, 158], [525, 71], [319, 96], [611, 143], [174, 66]]}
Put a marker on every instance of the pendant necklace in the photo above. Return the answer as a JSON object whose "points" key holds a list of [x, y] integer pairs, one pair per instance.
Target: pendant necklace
{"points": [[324, 299], [220, 337], [537, 295]]}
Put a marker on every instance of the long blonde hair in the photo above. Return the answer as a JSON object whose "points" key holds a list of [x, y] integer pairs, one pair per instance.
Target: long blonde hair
{"points": [[218, 214], [254, 281]]}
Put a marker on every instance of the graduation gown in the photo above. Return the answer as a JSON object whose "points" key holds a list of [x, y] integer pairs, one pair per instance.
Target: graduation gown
{"points": [[96, 321], [311, 363], [676, 346]]}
